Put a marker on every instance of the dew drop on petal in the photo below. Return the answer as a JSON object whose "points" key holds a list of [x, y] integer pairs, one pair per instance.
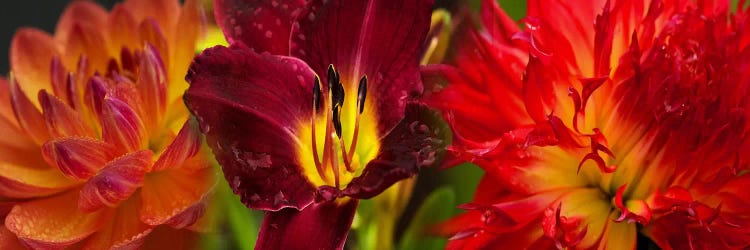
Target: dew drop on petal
{"points": [[311, 17], [269, 34]]}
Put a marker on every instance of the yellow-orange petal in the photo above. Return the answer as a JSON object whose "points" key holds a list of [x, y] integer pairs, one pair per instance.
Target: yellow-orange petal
{"points": [[150, 32], [78, 157], [25, 182], [190, 28], [122, 30], [86, 12], [152, 86], [169, 193], [116, 182], [165, 11], [53, 222], [6, 111], [61, 119], [185, 145], [123, 231], [86, 40], [30, 53], [27, 115], [618, 235]]}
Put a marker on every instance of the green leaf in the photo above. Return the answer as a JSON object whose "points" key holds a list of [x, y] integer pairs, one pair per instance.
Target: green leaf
{"points": [[432, 211]]}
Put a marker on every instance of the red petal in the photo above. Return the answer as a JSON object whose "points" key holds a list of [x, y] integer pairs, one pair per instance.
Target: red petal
{"points": [[122, 125], [248, 105], [380, 39], [497, 23], [8, 240], [319, 226], [61, 119], [78, 157], [416, 142], [261, 25], [173, 195], [53, 222], [115, 182], [185, 145]]}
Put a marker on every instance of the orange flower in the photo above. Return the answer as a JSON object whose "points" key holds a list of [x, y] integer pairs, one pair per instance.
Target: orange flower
{"points": [[603, 125], [98, 150]]}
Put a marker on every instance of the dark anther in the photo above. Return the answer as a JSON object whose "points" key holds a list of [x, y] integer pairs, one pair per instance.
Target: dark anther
{"points": [[316, 94], [332, 76], [362, 94], [337, 97], [337, 120]]}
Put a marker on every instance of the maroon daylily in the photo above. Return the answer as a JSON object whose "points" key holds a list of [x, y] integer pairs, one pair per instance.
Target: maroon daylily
{"points": [[314, 106]]}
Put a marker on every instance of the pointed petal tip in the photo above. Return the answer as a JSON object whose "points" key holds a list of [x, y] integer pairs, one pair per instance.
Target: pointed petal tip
{"points": [[117, 180]]}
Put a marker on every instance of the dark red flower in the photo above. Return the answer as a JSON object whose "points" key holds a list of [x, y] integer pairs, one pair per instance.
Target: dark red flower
{"points": [[602, 120], [313, 106]]}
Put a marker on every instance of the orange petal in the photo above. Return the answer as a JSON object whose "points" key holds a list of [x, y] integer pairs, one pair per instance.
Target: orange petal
{"points": [[169, 193], [59, 77], [28, 116], [30, 53], [152, 84], [185, 145], [190, 28], [122, 30], [123, 231], [53, 222], [86, 12], [165, 11], [23, 182], [86, 40], [8, 240], [61, 119], [78, 157], [116, 182], [6, 111], [151, 33]]}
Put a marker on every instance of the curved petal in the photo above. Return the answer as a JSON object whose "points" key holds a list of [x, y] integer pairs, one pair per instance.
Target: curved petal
{"points": [[381, 39], [25, 182], [86, 12], [319, 226], [8, 240], [28, 116], [61, 119], [417, 141], [248, 106], [166, 12], [116, 181], [122, 30], [191, 27], [167, 194], [78, 157], [261, 25], [123, 231], [33, 221], [31, 51], [184, 146]]}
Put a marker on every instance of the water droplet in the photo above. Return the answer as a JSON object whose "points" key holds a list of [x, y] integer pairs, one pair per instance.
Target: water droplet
{"points": [[311, 16], [284, 6], [236, 182], [302, 52], [279, 198], [260, 26], [295, 67], [237, 30], [257, 11], [278, 21], [233, 21], [301, 37], [269, 34], [274, 4]]}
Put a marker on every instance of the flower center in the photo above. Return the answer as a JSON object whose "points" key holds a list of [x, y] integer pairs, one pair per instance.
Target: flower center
{"points": [[342, 137]]}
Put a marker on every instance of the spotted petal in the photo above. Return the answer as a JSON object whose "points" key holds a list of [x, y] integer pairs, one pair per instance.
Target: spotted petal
{"points": [[248, 105], [261, 25]]}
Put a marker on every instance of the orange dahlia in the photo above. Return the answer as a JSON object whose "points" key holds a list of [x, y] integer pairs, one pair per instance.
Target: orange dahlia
{"points": [[608, 125], [98, 151]]}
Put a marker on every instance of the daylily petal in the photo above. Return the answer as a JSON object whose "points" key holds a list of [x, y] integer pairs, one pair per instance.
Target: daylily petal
{"points": [[61, 119], [261, 25], [78, 157], [380, 39], [248, 106], [319, 226], [30, 53], [26, 182], [122, 231], [115, 182], [164, 237], [53, 222], [185, 145], [415, 142], [169, 193]]}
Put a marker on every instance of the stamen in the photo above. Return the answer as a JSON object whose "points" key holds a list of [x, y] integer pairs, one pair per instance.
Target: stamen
{"points": [[316, 106], [361, 95], [337, 97]]}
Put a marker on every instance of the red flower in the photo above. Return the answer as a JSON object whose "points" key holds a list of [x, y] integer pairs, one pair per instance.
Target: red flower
{"points": [[601, 121], [302, 146]]}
